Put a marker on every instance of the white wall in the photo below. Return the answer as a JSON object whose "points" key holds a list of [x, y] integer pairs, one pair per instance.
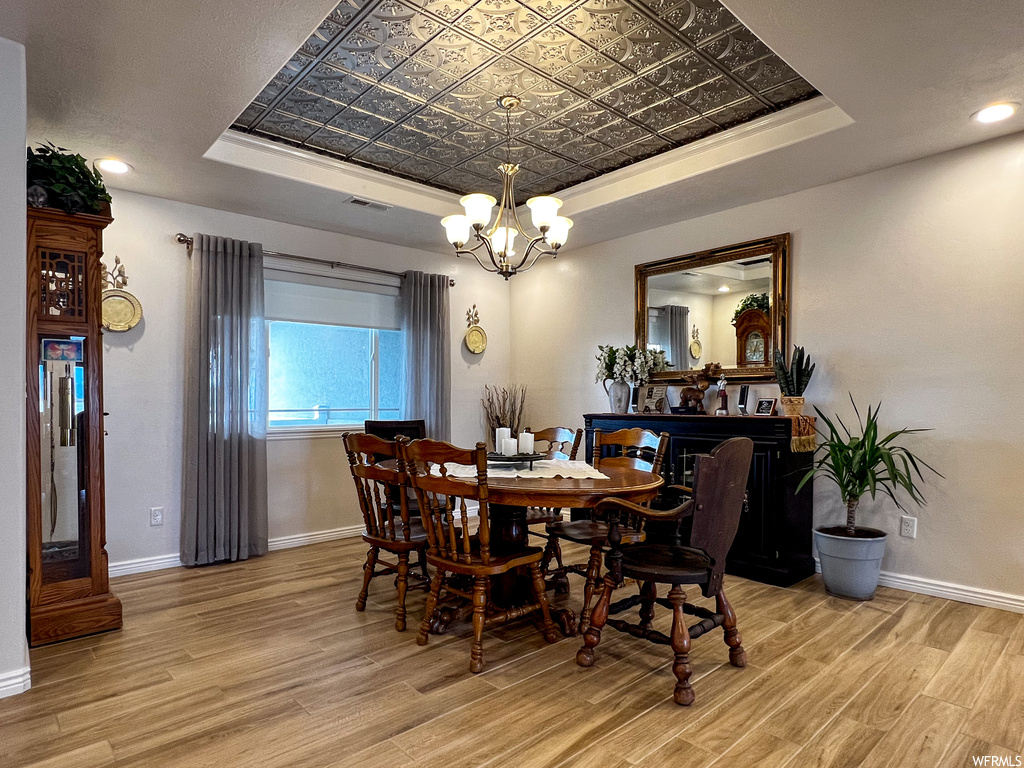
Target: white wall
{"points": [[310, 487], [908, 287], [14, 675]]}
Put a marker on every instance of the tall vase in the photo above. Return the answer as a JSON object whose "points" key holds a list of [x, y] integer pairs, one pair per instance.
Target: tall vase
{"points": [[618, 395]]}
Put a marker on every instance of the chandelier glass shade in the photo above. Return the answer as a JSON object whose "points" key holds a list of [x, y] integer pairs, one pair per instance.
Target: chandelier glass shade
{"points": [[497, 244]]}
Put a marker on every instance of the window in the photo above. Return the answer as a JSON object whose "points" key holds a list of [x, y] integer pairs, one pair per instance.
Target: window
{"points": [[335, 353], [332, 375]]}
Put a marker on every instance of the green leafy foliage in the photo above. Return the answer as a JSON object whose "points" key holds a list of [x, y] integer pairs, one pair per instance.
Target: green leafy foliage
{"points": [[794, 379], [867, 463], [753, 301], [70, 183]]}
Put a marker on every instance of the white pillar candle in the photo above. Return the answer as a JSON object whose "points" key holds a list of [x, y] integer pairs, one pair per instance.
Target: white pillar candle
{"points": [[509, 446], [526, 442], [501, 433]]}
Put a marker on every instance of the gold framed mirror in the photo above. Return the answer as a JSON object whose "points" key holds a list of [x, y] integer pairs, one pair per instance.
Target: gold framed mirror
{"points": [[736, 298]]}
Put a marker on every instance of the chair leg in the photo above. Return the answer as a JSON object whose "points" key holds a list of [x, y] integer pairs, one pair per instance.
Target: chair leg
{"points": [[680, 638], [541, 595], [593, 573], [403, 586], [423, 564], [549, 553], [435, 592], [592, 635], [733, 638], [476, 654], [648, 596], [371, 563]]}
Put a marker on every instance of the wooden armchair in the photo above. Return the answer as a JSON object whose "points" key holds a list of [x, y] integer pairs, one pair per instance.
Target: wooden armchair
{"points": [[719, 489], [452, 550], [555, 443], [635, 448], [386, 519]]}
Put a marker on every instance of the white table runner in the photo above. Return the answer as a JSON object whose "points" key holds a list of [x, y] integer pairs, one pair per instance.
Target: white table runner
{"points": [[541, 468]]}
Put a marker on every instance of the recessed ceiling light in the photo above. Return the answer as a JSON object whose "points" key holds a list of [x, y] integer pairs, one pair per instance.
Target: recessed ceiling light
{"points": [[724, 289], [996, 112], [112, 165]]}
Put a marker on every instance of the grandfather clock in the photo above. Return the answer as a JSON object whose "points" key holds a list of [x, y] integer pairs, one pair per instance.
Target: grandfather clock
{"points": [[753, 331], [68, 587]]}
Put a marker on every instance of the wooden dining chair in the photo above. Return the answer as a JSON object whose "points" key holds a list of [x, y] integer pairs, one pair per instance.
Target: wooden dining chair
{"points": [[633, 448], [386, 520], [554, 443], [719, 492], [453, 551]]}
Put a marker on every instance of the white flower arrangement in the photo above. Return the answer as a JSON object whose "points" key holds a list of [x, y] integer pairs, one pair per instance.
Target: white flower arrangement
{"points": [[629, 363]]}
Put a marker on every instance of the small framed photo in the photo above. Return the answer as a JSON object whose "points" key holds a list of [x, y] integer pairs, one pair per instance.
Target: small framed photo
{"points": [[765, 406], [653, 398]]}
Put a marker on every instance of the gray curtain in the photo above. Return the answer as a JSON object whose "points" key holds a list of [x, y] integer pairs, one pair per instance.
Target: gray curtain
{"points": [[224, 495], [679, 343], [428, 379]]}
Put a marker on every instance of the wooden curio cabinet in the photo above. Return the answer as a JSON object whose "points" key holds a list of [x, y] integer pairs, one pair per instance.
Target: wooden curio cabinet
{"points": [[68, 587]]}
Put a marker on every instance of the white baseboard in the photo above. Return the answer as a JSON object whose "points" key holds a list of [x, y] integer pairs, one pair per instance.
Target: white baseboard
{"points": [[989, 598], [14, 682], [144, 564], [317, 537]]}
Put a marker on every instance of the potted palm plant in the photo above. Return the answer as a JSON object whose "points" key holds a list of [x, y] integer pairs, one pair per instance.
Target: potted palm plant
{"points": [[793, 380], [851, 556]]}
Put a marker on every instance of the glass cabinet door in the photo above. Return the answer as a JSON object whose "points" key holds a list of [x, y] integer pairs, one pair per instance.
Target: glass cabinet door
{"points": [[64, 457]]}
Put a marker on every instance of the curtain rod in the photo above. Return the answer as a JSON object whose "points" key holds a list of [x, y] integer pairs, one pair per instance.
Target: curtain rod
{"points": [[185, 240]]}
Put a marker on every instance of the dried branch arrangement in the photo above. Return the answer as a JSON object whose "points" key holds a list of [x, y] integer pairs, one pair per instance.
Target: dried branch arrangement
{"points": [[503, 406]]}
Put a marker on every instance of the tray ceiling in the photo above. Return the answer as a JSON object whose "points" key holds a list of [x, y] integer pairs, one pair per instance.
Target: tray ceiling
{"points": [[410, 87]]}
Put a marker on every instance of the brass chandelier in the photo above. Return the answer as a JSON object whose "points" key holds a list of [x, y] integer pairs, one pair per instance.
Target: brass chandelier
{"points": [[498, 242]]}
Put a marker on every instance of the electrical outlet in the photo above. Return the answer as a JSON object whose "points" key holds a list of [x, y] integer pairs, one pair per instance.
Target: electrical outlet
{"points": [[908, 526], [156, 515]]}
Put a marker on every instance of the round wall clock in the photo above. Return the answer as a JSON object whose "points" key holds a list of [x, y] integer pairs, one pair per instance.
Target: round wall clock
{"points": [[121, 310]]}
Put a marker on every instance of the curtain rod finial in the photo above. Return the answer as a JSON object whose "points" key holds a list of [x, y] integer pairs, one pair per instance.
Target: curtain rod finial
{"points": [[182, 239]]}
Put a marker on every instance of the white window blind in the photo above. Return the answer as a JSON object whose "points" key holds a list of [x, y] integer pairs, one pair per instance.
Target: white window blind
{"points": [[331, 296]]}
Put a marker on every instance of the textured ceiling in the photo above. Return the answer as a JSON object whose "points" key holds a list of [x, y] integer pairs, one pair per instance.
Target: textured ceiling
{"points": [[409, 87]]}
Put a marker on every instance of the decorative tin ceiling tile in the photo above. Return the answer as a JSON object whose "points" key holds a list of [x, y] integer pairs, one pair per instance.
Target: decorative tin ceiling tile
{"points": [[360, 123], [791, 92], [690, 131], [311, 107], [418, 167], [329, 83], [739, 112], [336, 142], [323, 36], [288, 126], [379, 156], [409, 86], [712, 95], [406, 139], [645, 148]]}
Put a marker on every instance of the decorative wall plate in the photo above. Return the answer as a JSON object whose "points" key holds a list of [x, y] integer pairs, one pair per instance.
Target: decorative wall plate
{"points": [[476, 339], [696, 348], [121, 310]]}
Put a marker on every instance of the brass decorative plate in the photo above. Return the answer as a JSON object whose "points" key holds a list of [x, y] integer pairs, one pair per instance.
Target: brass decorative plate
{"points": [[121, 310], [476, 339], [696, 349]]}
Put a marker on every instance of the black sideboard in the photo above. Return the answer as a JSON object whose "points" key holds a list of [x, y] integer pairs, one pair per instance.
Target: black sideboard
{"points": [[773, 544]]}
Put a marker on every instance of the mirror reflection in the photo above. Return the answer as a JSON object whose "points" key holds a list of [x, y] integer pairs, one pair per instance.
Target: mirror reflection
{"points": [[719, 313]]}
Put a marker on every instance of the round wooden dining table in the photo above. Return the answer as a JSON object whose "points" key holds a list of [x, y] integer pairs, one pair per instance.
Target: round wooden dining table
{"points": [[509, 498]]}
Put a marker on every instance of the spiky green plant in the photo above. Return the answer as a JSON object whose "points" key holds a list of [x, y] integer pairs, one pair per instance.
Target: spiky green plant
{"points": [[794, 379], [865, 463]]}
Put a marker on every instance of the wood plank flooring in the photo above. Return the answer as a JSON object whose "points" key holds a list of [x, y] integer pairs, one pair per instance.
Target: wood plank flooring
{"points": [[267, 664]]}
